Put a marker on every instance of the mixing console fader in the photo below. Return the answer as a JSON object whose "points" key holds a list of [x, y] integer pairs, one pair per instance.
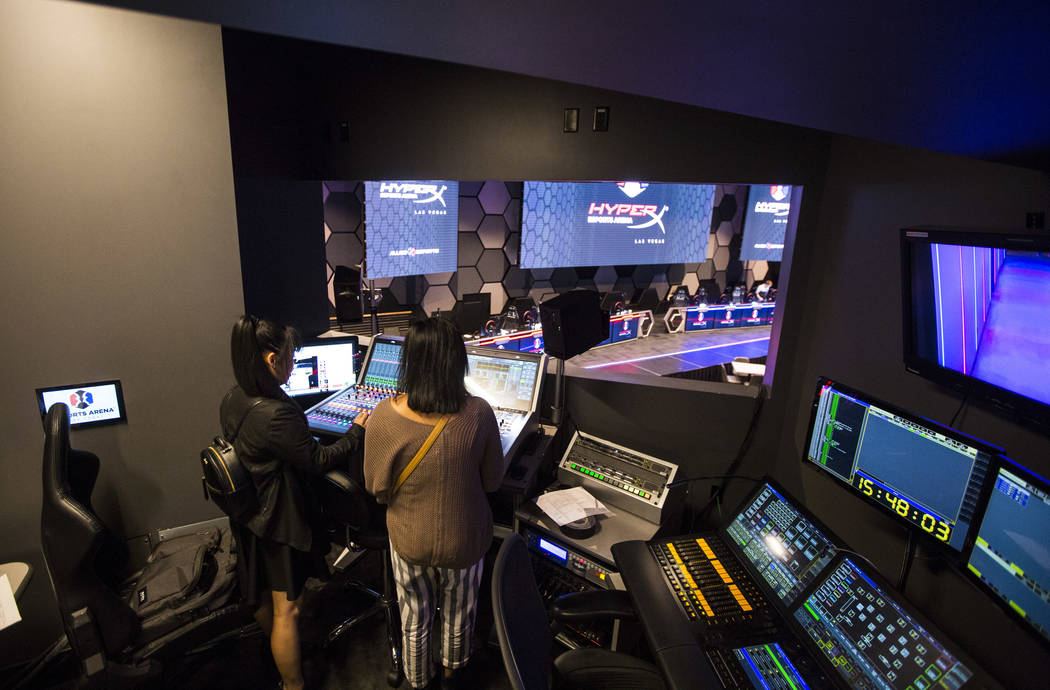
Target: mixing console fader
{"points": [[712, 587], [378, 382], [336, 414]]}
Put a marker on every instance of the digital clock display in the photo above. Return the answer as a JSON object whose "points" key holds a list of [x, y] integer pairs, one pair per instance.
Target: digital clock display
{"points": [[912, 512]]}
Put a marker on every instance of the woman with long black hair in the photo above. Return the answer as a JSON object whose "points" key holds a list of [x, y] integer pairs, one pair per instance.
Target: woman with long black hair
{"points": [[277, 548], [431, 454]]}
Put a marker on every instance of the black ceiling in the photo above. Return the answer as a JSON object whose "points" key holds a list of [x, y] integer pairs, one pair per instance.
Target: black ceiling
{"points": [[969, 78]]}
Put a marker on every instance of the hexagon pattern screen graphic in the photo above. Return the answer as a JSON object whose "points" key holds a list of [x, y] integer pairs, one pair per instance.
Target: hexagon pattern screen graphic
{"points": [[412, 227], [488, 248], [593, 223]]}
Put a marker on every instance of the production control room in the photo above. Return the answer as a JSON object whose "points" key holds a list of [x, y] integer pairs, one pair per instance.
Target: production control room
{"points": [[773, 412]]}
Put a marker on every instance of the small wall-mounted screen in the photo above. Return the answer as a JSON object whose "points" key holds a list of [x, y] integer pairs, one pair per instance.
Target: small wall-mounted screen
{"points": [[90, 404]]}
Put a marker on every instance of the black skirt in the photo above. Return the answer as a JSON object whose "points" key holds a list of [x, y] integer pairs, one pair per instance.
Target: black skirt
{"points": [[263, 565]]}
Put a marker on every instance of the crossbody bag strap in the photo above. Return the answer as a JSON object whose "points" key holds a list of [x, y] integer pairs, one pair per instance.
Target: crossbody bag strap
{"points": [[419, 454]]}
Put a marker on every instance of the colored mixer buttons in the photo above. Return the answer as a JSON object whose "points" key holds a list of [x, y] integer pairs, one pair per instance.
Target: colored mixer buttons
{"points": [[608, 479]]}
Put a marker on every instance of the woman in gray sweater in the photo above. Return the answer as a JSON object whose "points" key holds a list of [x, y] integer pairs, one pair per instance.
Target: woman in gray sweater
{"points": [[438, 517]]}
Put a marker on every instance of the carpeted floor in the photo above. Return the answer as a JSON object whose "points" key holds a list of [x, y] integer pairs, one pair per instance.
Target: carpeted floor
{"points": [[359, 659]]}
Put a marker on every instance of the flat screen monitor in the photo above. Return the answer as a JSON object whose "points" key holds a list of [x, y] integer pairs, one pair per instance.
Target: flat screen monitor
{"points": [[614, 223], [506, 380], [765, 222], [90, 404], [411, 227], [871, 638], [323, 366], [977, 315], [925, 474], [1011, 557]]}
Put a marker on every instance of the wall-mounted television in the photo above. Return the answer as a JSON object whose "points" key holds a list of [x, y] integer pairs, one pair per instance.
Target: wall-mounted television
{"points": [[977, 315], [614, 223]]}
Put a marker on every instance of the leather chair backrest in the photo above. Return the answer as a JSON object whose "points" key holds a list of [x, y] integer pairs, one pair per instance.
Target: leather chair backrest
{"points": [[74, 539], [520, 617], [345, 504]]}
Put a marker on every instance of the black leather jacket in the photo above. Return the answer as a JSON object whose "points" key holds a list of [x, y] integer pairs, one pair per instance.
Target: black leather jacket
{"points": [[276, 446]]}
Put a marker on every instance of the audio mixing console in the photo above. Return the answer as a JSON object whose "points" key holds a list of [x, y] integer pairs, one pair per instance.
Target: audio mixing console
{"points": [[378, 382]]}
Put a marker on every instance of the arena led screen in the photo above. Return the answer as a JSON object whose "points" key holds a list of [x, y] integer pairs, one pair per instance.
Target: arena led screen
{"points": [[614, 223], [411, 227], [765, 223]]}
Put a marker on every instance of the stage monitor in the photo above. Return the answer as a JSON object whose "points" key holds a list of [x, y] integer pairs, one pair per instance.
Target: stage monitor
{"points": [[1011, 558], [925, 474], [90, 404], [323, 365], [765, 223], [614, 223], [977, 315], [411, 227], [870, 638]]}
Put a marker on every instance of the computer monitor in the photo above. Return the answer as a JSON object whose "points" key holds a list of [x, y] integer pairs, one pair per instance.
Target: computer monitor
{"points": [[324, 365], [506, 380], [928, 475], [1010, 560], [870, 638]]}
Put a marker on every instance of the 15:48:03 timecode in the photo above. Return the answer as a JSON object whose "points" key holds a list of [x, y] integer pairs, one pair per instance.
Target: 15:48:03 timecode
{"points": [[929, 523]]}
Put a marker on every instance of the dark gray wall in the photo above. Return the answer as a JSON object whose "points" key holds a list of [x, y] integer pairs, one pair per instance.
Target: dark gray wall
{"points": [[117, 232], [850, 330]]}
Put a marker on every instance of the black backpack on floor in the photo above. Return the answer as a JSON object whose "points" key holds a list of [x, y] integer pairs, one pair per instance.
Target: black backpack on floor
{"points": [[226, 480]]}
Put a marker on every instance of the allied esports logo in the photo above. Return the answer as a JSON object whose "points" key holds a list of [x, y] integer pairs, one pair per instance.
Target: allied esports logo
{"points": [[81, 399], [778, 192], [413, 191]]}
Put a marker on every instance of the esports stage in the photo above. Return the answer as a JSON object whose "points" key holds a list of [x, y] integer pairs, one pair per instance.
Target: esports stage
{"points": [[663, 354]]}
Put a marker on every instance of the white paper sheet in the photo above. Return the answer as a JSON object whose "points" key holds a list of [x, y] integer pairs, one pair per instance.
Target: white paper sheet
{"points": [[9, 614], [569, 505]]}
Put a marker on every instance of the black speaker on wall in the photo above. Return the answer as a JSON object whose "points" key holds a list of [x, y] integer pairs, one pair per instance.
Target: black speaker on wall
{"points": [[573, 323]]}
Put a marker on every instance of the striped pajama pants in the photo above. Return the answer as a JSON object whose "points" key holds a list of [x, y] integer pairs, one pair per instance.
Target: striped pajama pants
{"points": [[420, 591]]}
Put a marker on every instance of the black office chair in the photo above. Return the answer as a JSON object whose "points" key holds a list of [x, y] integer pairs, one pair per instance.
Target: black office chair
{"points": [[356, 521], [86, 562], [525, 637]]}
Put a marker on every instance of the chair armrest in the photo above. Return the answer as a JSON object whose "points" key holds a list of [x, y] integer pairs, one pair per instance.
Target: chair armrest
{"points": [[586, 606]]}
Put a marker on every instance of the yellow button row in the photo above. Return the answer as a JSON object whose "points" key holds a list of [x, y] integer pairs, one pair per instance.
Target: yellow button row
{"points": [[739, 596]]}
